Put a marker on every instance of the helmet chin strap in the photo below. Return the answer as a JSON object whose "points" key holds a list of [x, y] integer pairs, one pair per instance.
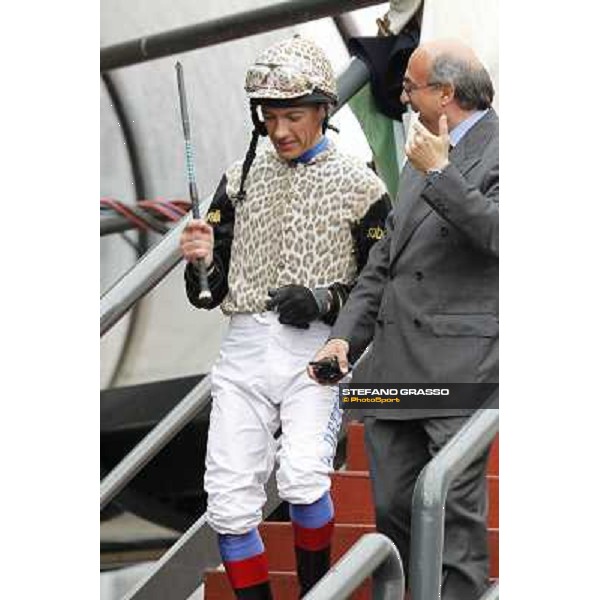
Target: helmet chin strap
{"points": [[258, 124], [327, 125], [260, 129]]}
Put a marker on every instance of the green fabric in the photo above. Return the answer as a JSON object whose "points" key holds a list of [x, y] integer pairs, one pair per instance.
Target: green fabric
{"points": [[379, 131]]}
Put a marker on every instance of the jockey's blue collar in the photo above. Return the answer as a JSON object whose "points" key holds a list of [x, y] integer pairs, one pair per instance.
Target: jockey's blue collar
{"points": [[307, 156]]}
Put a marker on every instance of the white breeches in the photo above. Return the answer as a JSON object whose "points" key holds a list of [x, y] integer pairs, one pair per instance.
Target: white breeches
{"points": [[260, 384]]}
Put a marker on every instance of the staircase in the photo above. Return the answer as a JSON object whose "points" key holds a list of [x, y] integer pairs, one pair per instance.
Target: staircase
{"points": [[354, 516]]}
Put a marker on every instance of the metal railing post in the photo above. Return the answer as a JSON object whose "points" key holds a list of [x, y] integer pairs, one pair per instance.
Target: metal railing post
{"points": [[429, 497], [372, 553], [147, 272], [224, 29]]}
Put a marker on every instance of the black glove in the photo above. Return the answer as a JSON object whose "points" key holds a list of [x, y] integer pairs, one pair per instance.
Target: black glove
{"points": [[298, 305]]}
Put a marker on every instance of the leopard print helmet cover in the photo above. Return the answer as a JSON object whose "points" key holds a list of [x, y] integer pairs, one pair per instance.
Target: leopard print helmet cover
{"points": [[293, 69]]}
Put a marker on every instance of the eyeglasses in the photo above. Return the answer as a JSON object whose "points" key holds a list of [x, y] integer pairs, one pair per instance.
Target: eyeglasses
{"points": [[285, 78], [408, 87]]}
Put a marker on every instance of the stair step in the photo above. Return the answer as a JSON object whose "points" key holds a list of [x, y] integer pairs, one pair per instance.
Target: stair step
{"points": [[351, 494], [494, 549], [284, 586], [284, 583], [279, 543], [356, 453], [356, 456], [279, 546], [494, 501]]}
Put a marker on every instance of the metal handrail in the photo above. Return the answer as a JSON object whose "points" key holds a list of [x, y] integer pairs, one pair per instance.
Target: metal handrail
{"points": [[154, 441], [165, 255], [147, 272], [224, 29], [114, 224], [373, 553], [429, 497]]}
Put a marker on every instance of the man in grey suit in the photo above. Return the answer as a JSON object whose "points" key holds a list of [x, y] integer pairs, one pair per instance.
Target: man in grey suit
{"points": [[428, 302]]}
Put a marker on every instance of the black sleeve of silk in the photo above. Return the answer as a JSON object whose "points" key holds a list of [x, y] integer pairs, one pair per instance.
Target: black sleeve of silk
{"points": [[365, 233], [221, 215]]}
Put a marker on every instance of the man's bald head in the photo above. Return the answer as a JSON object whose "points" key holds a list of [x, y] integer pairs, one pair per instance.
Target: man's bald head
{"points": [[452, 48], [449, 61]]}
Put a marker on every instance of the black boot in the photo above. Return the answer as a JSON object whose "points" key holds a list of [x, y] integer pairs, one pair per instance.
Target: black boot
{"points": [[260, 591], [311, 566]]}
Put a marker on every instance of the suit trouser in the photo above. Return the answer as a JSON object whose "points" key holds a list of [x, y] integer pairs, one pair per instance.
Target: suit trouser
{"points": [[397, 451]]}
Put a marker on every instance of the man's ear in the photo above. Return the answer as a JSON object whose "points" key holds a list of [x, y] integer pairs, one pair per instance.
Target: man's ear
{"points": [[447, 93]]}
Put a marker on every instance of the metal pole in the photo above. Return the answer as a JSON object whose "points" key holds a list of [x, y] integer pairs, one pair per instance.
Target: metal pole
{"points": [[216, 31], [154, 441], [114, 224], [347, 27], [165, 255], [429, 497], [373, 553], [142, 277]]}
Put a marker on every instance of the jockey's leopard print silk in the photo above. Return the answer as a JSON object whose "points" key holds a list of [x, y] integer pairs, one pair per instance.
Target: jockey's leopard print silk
{"points": [[294, 225]]}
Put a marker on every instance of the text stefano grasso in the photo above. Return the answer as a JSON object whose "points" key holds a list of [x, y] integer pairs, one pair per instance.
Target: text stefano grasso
{"points": [[396, 391]]}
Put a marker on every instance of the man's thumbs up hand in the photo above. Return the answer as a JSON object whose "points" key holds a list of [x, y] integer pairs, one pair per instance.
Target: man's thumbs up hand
{"points": [[427, 151]]}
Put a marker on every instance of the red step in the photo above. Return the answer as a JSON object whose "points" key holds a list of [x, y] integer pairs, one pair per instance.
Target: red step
{"points": [[284, 582], [356, 455], [351, 494], [278, 540], [494, 549], [494, 501], [284, 585]]}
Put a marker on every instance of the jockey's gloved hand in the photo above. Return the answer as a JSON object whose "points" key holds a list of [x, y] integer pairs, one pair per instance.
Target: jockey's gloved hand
{"points": [[298, 305]]}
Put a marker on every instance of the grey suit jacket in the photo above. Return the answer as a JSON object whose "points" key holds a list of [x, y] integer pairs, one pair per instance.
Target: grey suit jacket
{"points": [[428, 297]]}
